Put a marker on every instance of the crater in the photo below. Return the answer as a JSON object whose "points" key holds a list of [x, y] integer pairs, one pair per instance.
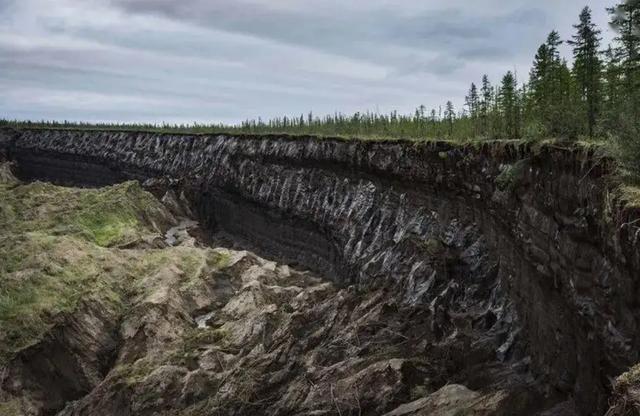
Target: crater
{"points": [[518, 288]]}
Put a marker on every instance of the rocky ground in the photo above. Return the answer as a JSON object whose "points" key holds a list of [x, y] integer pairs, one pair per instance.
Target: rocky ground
{"points": [[110, 306]]}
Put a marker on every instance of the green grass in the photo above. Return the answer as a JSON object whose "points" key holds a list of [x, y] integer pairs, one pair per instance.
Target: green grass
{"points": [[108, 230], [107, 216], [54, 246], [10, 408], [59, 248], [47, 276], [135, 372]]}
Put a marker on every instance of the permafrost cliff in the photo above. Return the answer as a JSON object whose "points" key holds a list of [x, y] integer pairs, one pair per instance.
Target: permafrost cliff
{"points": [[521, 259]]}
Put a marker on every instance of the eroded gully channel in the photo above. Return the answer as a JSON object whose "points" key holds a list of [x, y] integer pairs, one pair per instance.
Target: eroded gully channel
{"points": [[514, 261]]}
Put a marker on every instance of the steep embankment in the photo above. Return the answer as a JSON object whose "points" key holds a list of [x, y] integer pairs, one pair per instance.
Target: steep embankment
{"points": [[529, 248], [103, 313]]}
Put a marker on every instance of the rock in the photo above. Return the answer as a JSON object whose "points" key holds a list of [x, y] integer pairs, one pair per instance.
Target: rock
{"points": [[452, 400], [7, 177]]}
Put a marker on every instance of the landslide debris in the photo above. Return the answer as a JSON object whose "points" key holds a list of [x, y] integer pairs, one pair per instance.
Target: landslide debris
{"points": [[109, 307]]}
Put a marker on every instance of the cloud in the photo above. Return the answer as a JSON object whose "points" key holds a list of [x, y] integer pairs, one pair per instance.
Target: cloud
{"points": [[214, 60], [378, 34]]}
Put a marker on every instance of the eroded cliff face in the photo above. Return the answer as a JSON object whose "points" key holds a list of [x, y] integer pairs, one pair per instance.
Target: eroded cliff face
{"points": [[112, 305], [520, 254]]}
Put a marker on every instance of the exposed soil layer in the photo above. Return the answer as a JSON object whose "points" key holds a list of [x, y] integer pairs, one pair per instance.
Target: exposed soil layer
{"points": [[134, 316], [521, 256]]}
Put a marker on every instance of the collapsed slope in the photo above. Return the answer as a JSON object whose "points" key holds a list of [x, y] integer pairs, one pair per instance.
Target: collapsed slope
{"points": [[529, 244], [100, 315]]}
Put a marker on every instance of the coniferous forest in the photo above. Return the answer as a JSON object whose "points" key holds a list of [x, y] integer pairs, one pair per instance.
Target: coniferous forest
{"points": [[592, 95]]}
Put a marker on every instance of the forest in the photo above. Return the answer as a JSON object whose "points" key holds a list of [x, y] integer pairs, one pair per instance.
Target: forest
{"points": [[596, 97]]}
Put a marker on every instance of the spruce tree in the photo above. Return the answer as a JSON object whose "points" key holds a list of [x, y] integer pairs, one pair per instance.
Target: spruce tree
{"points": [[566, 120], [472, 101], [496, 119], [450, 115], [509, 107], [550, 89], [625, 19], [612, 89], [587, 67], [485, 104], [539, 84]]}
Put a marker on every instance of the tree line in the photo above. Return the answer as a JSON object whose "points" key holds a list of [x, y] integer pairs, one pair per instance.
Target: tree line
{"points": [[596, 96]]}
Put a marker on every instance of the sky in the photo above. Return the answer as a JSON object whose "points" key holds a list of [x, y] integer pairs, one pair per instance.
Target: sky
{"points": [[213, 61]]}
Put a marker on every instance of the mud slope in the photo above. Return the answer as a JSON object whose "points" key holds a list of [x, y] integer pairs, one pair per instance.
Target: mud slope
{"points": [[525, 247], [110, 307]]}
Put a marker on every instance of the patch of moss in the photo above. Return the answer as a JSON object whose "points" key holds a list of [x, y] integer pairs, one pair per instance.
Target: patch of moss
{"points": [[108, 229], [204, 336], [630, 378], [197, 264], [186, 349], [53, 247], [630, 195], [219, 260], [134, 373], [46, 276], [191, 261], [119, 213], [511, 177], [106, 216], [10, 408]]}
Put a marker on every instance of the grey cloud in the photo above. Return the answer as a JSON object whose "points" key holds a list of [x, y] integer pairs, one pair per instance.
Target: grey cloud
{"points": [[380, 35], [5, 8], [214, 60]]}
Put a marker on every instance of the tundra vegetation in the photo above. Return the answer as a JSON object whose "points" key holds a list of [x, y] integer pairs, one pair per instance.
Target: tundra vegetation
{"points": [[64, 246]]}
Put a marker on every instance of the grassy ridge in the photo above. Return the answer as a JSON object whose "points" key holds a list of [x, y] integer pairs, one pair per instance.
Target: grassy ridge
{"points": [[59, 248]]}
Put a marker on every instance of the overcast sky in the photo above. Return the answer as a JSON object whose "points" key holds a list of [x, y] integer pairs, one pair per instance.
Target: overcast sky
{"points": [[226, 61]]}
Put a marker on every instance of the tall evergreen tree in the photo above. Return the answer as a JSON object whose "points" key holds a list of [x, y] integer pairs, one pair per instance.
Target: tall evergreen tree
{"points": [[496, 119], [450, 115], [553, 43], [549, 87], [485, 104], [539, 78], [587, 67], [565, 118], [509, 107], [625, 19], [472, 101], [612, 88]]}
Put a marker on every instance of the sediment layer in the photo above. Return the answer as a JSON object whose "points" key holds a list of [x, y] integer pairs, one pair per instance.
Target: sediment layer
{"points": [[529, 240]]}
